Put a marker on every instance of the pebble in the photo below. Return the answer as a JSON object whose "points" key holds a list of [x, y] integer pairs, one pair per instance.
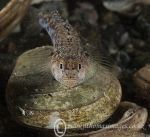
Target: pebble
{"points": [[142, 81]]}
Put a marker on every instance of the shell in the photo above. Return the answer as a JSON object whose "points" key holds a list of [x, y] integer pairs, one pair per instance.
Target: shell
{"points": [[11, 15], [135, 117], [132, 116], [36, 99]]}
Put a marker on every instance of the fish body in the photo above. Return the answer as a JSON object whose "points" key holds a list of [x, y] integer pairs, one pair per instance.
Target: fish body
{"points": [[71, 62]]}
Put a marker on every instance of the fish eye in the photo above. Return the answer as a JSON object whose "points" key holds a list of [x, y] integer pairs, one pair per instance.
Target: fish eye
{"points": [[79, 66], [61, 66]]}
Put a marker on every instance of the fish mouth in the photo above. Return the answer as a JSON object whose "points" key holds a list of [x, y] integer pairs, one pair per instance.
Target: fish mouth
{"points": [[70, 79], [70, 83]]}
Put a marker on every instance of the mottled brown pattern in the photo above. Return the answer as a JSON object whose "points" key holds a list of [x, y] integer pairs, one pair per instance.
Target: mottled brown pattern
{"points": [[71, 60]]}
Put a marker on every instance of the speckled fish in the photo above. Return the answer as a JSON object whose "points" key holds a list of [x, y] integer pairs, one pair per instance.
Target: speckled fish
{"points": [[64, 81]]}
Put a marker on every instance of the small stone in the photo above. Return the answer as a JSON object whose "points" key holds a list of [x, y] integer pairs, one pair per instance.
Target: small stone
{"points": [[142, 81], [126, 7], [123, 59], [129, 48], [11, 47], [124, 38]]}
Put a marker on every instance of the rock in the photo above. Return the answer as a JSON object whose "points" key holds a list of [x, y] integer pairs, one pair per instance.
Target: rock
{"points": [[126, 7], [85, 13], [142, 81]]}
